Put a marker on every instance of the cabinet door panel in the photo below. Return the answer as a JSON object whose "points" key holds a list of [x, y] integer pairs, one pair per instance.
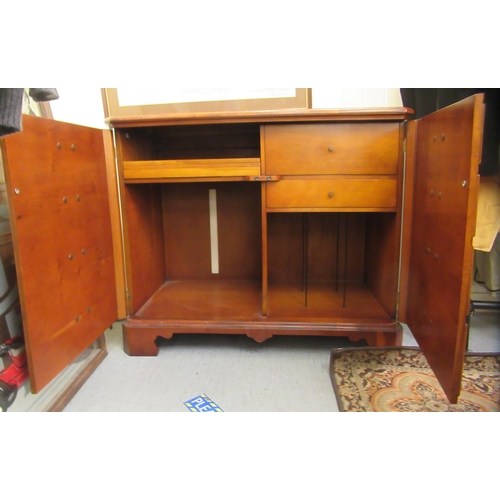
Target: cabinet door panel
{"points": [[448, 150], [58, 196]]}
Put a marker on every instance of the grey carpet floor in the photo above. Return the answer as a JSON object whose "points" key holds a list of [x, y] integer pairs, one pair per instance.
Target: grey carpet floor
{"points": [[283, 374]]}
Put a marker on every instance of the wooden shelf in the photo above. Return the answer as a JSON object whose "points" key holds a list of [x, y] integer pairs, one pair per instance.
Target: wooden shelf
{"points": [[212, 300], [325, 302], [228, 300], [164, 170]]}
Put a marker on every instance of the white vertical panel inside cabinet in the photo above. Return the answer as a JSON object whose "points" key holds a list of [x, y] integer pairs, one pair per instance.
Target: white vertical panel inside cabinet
{"points": [[214, 235]]}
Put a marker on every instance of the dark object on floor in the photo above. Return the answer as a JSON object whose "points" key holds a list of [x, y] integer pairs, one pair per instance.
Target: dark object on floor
{"points": [[400, 380]]}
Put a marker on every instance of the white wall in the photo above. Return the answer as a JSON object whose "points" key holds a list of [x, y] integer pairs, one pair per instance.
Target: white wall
{"points": [[83, 106], [327, 97]]}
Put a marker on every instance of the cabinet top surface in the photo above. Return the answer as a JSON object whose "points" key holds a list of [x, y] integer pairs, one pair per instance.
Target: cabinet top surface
{"points": [[281, 116]]}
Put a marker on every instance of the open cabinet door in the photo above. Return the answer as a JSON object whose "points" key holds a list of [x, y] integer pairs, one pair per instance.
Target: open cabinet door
{"points": [[448, 153], [60, 214]]}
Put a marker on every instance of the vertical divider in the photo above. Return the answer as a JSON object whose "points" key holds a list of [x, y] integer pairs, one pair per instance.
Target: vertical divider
{"points": [[263, 202], [303, 269], [265, 278], [337, 254], [345, 258], [305, 255]]}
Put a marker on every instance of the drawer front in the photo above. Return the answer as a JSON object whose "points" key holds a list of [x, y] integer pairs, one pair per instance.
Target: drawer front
{"points": [[333, 148], [352, 194]]}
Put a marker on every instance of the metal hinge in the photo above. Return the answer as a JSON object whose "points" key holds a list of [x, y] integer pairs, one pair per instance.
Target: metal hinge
{"points": [[264, 178]]}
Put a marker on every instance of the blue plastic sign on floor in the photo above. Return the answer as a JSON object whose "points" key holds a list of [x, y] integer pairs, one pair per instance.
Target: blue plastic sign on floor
{"points": [[202, 403]]}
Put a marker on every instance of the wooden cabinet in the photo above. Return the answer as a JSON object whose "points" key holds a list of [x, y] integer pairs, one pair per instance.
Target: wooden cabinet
{"points": [[252, 223]]}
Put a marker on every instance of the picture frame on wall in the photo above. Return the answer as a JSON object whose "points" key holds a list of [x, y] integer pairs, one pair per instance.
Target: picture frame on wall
{"points": [[129, 102]]}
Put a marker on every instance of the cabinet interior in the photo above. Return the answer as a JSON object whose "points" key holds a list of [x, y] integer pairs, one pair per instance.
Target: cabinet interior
{"points": [[194, 142], [319, 264], [262, 266], [331, 264]]}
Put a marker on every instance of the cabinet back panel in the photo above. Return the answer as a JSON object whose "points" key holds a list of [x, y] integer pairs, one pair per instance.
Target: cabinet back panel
{"points": [[195, 142], [326, 245], [214, 141], [134, 144], [188, 245]]}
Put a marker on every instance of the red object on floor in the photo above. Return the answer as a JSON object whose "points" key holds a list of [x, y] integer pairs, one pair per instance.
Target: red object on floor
{"points": [[14, 376]]}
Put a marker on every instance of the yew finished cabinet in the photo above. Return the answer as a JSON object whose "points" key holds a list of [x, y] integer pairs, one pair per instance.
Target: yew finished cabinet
{"points": [[312, 222]]}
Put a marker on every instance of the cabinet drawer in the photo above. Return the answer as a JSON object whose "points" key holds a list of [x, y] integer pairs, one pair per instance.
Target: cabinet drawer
{"points": [[334, 148], [352, 194]]}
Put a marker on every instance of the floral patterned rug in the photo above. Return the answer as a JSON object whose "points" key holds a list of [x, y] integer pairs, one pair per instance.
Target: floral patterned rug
{"points": [[400, 380]]}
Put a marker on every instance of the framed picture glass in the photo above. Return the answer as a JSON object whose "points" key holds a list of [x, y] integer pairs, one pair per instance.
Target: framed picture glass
{"points": [[149, 101]]}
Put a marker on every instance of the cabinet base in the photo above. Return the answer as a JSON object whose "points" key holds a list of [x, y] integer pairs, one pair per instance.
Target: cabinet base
{"points": [[139, 336]]}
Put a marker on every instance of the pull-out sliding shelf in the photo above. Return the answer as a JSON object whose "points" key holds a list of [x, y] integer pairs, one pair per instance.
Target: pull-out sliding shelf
{"points": [[165, 170]]}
